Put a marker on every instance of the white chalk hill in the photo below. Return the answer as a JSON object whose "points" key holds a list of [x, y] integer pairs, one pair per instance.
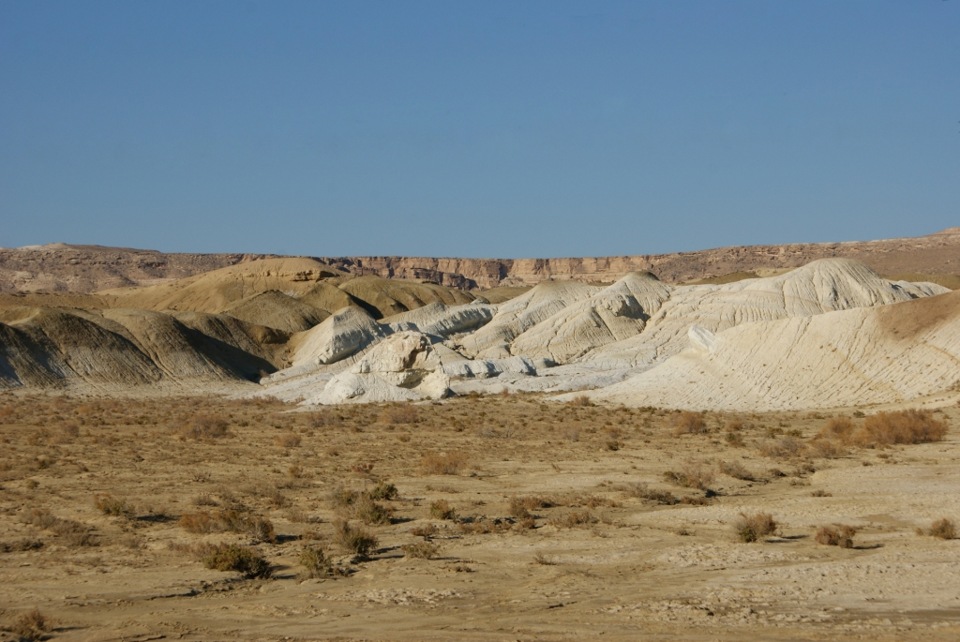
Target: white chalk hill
{"points": [[601, 336], [907, 352]]}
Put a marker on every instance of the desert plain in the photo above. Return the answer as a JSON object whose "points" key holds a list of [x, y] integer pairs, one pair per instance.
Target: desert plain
{"points": [[279, 449]]}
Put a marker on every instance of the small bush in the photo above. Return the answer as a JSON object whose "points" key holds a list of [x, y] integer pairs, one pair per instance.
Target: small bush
{"points": [[21, 545], [784, 447], [643, 491], [316, 564], [205, 427], [384, 491], [260, 528], [443, 463], [288, 440], [421, 550], [692, 475], [30, 626], [400, 415], [838, 428], [753, 528], [903, 427], [943, 528], [482, 525], [689, 423], [109, 505], [369, 512], [837, 535], [823, 448], [354, 539], [574, 518], [71, 532], [232, 557], [426, 531], [441, 509], [736, 470], [520, 507], [580, 401]]}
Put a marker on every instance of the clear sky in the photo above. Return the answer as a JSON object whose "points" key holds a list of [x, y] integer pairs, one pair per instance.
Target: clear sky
{"points": [[481, 129]]}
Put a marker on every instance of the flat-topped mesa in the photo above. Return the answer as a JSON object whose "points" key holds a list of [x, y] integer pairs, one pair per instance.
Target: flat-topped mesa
{"points": [[935, 254]]}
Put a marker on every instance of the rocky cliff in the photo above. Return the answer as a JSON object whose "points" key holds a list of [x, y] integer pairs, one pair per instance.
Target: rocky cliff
{"points": [[936, 254]]}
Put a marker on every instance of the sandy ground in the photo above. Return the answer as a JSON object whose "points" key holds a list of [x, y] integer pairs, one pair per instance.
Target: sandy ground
{"points": [[597, 560]]}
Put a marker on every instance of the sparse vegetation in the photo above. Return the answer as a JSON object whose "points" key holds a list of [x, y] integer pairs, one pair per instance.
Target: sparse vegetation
{"points": [[421, 550], [441, 509], [335, 496], [689, 423], [573, 518], [354, 539], [903, 427], [205, 427], [942, 528], [444, 463], [692, 475], [836, 535], [109, 505], [754, 527], [30, 626], [219, 521], [736, 470], [232, 557], [316, 564], [70, 532]]}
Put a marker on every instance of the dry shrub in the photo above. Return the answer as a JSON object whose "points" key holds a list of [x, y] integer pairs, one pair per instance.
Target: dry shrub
{"points": [[692, 475], [400, 415], [425, 531], [689, 423], [205, 427], [836, 535], [574, 518], [753, 528], [354, 539], [368, 511], [734, 439], [421, 550], [943, 528], [109, 505], [30, 626], [823, 448], [642, 491], [316, 564], [521, 507], [482, 525], [902, 427], [784, 447], [444, 463], [736, 470], [233, 557], [21, 545], [384, 491], [441, 509], [580, 401], [543, 560], [342, 497], [288, 440], [839, 429], [735, 425], [71, 532], [260, 528]]}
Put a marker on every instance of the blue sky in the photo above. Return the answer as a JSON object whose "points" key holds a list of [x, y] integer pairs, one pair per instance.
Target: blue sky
{"points": [[481, 129]]}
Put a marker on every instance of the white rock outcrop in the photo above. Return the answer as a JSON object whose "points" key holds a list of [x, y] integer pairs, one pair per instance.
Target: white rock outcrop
{"points": [[340, 335]]}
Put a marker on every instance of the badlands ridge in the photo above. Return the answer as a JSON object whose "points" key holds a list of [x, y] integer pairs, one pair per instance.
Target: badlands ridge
{"points": [[831, 333]]}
